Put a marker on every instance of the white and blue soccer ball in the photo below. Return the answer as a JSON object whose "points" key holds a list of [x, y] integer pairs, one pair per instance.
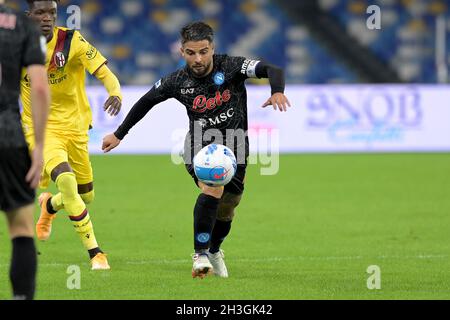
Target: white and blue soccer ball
{"points": [[215, 165]]}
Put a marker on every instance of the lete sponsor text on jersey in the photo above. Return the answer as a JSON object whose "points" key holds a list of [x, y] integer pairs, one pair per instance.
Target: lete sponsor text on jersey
{"points": [[202, 103]]}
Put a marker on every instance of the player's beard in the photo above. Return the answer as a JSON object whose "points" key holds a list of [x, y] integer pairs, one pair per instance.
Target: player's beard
{"points": [[201, 72]]}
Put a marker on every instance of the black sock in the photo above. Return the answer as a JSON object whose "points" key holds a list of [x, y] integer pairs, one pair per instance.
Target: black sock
{"points": [[205, 212], [93, 252], [50, 207], [220, 231], [23, 268]]}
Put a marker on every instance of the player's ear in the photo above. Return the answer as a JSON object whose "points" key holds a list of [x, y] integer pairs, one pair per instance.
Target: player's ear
{"points": [[212, 47], [182, 51]]}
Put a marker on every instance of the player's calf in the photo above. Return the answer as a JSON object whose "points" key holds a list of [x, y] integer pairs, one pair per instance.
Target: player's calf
{"points": [[205, 212], [78, 213], [86, 192], [225, 215], [23, 268], [228, 203], [88, 197]]}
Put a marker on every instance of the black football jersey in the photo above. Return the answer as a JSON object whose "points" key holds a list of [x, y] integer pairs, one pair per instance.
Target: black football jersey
{"points": [[21, 45], [216, 104]]}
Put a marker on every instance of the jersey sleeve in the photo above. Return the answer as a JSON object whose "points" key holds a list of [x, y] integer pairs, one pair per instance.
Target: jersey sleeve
{"points": [[35, 45], [161, 90], [157, 94], [90, 57], [242, 67]]}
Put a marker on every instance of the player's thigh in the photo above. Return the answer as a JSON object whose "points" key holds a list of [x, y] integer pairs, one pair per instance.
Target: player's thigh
{"points": [[236, 185], [55, 153], [80, 162], [15, 192], [190, 169], [232, 195]]}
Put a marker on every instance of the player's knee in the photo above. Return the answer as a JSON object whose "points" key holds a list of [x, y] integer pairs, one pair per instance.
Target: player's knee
{"points": [[21, 230], [88, 197], [67, 185], [227, 205], [21, 224], [215, 192], [58, 170]]}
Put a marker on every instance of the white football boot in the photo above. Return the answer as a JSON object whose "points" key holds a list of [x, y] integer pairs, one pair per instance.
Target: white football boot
{"points": [[219, 267], [201, 266]]}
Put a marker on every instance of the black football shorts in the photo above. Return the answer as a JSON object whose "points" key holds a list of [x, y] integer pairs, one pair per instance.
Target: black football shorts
{"points": [[15, 192], [235, 186]]}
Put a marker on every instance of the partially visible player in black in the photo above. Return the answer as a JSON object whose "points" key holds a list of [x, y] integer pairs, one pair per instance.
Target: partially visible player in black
{"points": [[21, 46], [212, 88]]}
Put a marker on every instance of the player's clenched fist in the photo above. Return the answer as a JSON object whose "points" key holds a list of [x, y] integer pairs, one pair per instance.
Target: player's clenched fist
{"points": [[110, 141]]}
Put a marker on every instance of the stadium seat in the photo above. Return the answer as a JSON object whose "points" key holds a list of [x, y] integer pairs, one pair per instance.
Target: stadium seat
{"points": [[137, 35]]}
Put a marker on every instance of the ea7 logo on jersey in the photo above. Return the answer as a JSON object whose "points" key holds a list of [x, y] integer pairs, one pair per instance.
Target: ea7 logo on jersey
{"points": [[201, 103], [187, 91]]}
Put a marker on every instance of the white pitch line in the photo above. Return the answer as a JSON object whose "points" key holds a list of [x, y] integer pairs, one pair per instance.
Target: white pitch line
{"points": [[262, 260], [295, 258]]}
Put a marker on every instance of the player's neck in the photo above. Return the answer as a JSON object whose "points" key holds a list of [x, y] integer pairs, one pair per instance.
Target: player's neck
{"points": [[50, 36], [211, 67]]}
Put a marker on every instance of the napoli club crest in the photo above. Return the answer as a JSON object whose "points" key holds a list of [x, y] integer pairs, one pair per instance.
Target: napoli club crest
{"points": [[60, 60], [219, 78]]}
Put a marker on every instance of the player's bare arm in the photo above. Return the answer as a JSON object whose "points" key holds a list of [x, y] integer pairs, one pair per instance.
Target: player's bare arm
{"points": [[40, 96], [114, 103], [137, 112]]}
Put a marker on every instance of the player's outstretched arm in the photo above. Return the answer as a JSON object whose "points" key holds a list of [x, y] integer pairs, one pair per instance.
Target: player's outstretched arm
{"points": [[40, 99], [276, 79], [137, 112], [112, 85]]}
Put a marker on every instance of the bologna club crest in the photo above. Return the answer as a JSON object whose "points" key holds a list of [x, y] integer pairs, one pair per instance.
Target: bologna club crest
{"points": [[60, 60]]}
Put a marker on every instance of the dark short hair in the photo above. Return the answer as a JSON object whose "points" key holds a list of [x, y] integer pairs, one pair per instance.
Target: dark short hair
{"points": [[31, 2], [196, 31]]}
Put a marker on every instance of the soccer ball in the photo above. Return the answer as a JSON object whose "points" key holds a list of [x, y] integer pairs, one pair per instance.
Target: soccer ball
{"points": [[215, 165]]}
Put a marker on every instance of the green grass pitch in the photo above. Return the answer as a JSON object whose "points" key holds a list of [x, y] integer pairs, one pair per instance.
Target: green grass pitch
{"points": [[309, 232]]}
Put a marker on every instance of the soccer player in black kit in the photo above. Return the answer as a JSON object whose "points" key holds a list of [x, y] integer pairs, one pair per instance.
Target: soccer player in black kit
{"points": [[212, 89], [21, 46]]}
